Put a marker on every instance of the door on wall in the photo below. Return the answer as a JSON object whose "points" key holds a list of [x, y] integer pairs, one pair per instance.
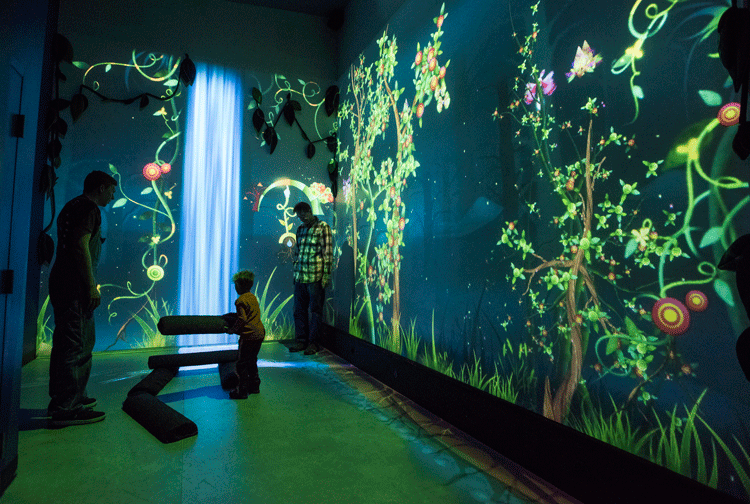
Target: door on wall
{"points": [[9, 323]]}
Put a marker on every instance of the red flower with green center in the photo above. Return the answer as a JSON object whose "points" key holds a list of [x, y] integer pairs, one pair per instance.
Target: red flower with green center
{"points": [[434, 83], [442, 72], [432, 64], [420, 109], [401, 223], [418, 59], [431, 53], [439, 21]]}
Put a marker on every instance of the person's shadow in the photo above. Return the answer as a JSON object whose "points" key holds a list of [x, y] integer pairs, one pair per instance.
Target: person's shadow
{"points": [[737, 259], [32, 419]]}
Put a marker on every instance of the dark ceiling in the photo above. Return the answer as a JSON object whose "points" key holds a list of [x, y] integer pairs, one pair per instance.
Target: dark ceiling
{"points": [[313, 7]]}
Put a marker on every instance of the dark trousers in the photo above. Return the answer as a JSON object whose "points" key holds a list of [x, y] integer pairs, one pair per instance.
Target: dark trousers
{"points": [[247, 364], [308, 296], [70, 363]]}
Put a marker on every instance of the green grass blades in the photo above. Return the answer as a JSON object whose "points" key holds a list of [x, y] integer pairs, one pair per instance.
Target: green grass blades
{"points": [[43, 331]]}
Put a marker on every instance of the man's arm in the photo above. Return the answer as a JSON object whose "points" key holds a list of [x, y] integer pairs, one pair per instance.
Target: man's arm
{"points": [[94, 298], [326, 245]]}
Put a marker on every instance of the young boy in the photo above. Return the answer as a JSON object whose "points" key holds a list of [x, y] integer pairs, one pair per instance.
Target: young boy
{"points": [[251, 331]]}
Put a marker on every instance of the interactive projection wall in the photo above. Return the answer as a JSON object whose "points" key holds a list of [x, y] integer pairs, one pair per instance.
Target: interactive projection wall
{"points": [[535, 199], [200, 192]]}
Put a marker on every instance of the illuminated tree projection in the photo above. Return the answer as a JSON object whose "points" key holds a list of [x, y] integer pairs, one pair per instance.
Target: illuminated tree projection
{"points": [[160, 70], [597, 234], [370, 189]]}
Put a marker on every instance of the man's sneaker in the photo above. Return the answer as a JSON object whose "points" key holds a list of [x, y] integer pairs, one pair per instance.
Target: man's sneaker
{"points": [[298, 347], [88, 402], [312, 349], [79, 417]]}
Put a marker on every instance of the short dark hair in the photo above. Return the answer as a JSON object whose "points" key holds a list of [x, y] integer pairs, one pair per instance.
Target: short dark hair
{"points": [[97, 178], [302, 206], [244, 280]]}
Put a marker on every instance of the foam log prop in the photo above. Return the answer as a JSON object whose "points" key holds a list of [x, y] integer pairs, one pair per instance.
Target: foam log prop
{"points": [[164, 423], [154, 381], [228, 375], [191, 359], [193, 324]]}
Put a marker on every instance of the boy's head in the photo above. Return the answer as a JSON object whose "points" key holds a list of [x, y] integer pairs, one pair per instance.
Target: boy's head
{"points": [[243, 281]]}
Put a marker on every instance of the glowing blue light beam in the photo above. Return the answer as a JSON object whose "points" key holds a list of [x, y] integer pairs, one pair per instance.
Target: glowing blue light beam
{"points": [[209, 225]]}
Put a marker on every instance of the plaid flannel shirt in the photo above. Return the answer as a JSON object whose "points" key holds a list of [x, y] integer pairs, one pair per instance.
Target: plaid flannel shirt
{"points": [[313, 258]]}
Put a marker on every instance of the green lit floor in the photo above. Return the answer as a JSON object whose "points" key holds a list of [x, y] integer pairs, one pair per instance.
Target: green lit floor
{"points": [[320, 431]]}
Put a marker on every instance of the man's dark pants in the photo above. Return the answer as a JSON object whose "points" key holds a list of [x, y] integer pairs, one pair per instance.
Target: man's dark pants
{"points": [[308, 296], [70, 362]]}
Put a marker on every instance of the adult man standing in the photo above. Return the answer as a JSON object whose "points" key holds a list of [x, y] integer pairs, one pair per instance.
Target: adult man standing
{"points": [[74, 297], [313, 261]]}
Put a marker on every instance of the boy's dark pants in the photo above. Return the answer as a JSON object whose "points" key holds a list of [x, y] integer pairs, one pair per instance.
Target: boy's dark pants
{"points": [[70, 362], [247, 364]]}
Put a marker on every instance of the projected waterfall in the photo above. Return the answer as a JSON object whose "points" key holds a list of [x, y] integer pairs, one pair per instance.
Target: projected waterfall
{"points": [[210, 209]]}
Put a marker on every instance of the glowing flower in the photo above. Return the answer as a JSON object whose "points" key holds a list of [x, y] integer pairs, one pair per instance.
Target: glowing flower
{"points": [[696, 301], [548, 87], [729, 114], [152, 171], [155, 273], [584, 62], [670, 316], [166, 168], [420, 109], [418, 58]]}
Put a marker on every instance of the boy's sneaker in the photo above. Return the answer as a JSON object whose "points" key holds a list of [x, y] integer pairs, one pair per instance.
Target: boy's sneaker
{"points": [[79, 417], [312, 349], [298, 347], [238, 393]]}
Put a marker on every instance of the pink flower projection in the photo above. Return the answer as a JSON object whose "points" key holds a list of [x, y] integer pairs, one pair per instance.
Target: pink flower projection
{"points": [[548, 87], [152, 171]]}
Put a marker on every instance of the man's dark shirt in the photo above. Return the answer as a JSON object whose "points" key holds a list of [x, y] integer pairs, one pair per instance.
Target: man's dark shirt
{"points": [[77, 218]]}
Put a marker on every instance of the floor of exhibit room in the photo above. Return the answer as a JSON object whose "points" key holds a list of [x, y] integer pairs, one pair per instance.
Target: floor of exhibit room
{"points": [[320, 431]]}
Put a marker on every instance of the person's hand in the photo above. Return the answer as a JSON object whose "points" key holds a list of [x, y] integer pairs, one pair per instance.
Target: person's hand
{"points": [[95, 299]]}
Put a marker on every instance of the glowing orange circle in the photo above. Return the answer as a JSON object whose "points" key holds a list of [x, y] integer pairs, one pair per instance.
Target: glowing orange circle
{"points": [[151, 171], [729, 114], [696, 301]]}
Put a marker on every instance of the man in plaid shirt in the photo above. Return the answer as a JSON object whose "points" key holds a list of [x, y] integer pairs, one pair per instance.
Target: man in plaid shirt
{"points": [[313, 260]]}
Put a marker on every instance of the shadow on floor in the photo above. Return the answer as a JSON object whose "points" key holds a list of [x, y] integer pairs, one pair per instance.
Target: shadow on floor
{"points": [[32, 419]]}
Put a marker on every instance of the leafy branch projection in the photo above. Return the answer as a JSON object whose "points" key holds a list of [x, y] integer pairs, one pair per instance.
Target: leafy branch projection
{"points": [[581, 309], [374, 99], [157, 69], [635, 52], [289, 108]]}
